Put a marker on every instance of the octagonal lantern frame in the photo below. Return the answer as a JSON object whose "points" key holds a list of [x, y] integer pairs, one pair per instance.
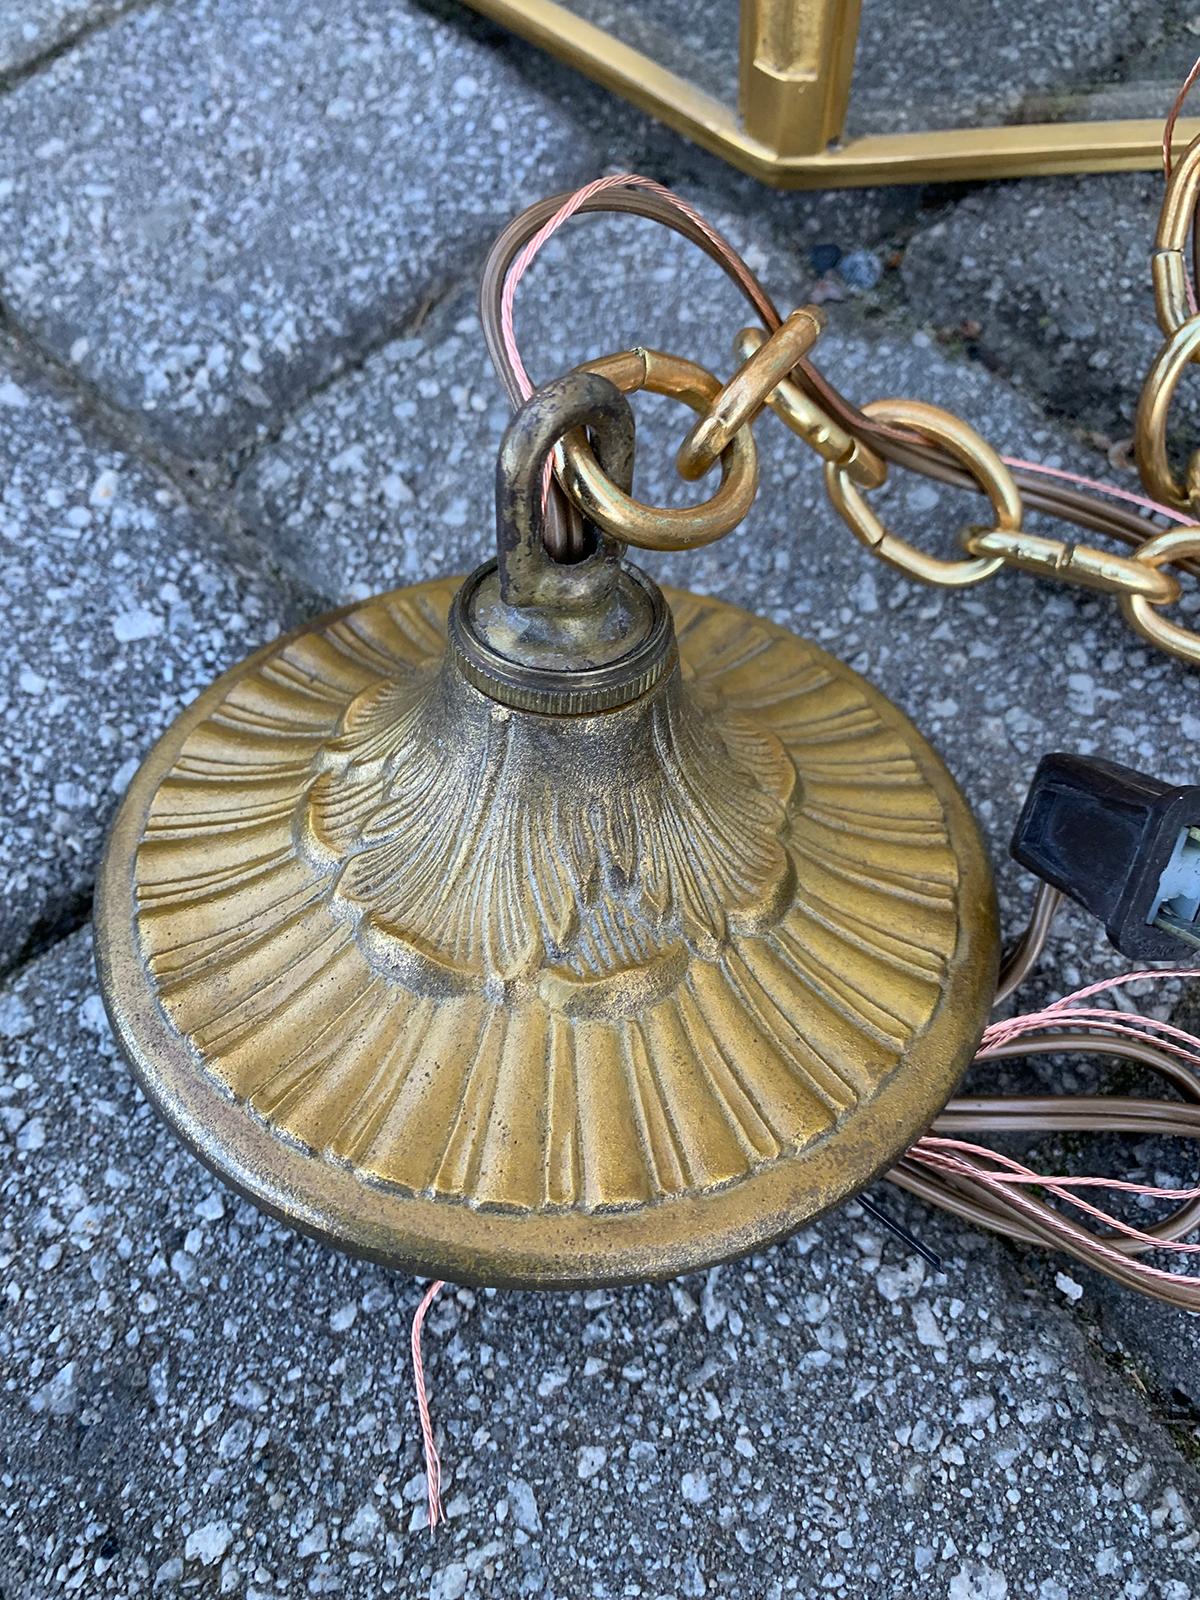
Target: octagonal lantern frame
{"points": [[796, 61]]}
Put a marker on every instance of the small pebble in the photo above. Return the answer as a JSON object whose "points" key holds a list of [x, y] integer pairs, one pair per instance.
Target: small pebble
{"points": [[209, 1543], [861, 269]]}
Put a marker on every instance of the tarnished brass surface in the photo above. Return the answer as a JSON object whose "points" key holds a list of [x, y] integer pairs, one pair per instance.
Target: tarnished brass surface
{"points": [[860, 444], [520, 999]]}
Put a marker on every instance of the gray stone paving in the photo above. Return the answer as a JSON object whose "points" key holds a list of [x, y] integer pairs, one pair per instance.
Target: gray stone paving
{"points": [[29, 31], [244, 381], [120, 603], [926, 65], [1054, 276], [198, 1401], [205, 208]]}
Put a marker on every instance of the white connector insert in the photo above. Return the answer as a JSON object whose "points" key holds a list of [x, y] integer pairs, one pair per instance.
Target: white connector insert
{"points": [[1179, 887]]}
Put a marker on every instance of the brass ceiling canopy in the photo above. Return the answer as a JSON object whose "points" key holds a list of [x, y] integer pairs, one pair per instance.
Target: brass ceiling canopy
{"points": [[546, 928]]}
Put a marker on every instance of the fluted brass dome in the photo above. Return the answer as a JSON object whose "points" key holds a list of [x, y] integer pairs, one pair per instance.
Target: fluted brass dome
{"points": [[518, 999], [541, 928]]}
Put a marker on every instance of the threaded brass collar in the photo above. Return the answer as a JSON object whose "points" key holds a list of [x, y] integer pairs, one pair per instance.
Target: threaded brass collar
{"points": [[564, 691]]}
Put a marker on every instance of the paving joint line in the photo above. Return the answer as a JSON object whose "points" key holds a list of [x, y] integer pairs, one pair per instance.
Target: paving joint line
{"points": [[198, 483], [209, 490], [13, 77], [48, 933], [242, 457], [118, 426]]}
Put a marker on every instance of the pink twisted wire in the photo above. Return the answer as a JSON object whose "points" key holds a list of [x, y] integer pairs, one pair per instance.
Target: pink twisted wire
{"points": [[433, 1462], [573, 203], [934, 1151], [1060, 1226], [930, 1150], [1133, 1024], [1098, 487]]}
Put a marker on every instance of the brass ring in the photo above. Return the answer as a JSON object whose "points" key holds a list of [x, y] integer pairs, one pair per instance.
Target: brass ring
{"points": [[1079, 564], [1168, 264], [746, 393], [809, 422], [660, 527], [962, 442], [1150, 423], [1177, 544]]}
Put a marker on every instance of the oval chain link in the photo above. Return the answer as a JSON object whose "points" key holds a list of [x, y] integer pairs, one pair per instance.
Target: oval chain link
{"points": [[1177, 313], [967, 447], [852, 467], [1177, 544], [1079, 564], [1150, 423], [819, 431]]}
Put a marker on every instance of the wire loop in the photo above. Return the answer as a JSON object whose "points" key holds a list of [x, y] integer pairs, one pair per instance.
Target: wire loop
{"points": [[858, 443]]}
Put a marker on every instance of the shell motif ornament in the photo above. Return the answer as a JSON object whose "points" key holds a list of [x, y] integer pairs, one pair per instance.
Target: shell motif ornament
{"points": [[486, 966]]}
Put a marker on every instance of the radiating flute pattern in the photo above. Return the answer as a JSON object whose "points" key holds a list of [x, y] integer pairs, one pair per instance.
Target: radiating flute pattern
{"points": [[365, 906]]}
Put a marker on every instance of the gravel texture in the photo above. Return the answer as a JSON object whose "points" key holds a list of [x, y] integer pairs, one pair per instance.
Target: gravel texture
{"points": [[922, 65], [197, 1401], [33, 28], [120, 603], [206, 208], [1048, 281]]}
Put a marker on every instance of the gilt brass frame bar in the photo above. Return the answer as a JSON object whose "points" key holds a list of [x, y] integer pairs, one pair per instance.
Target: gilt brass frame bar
{"points": [[794, 87], [796, 61]]}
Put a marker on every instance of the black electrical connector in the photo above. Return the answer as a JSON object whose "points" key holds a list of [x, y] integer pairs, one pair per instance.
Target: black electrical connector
{"points": [[1124, 846]]}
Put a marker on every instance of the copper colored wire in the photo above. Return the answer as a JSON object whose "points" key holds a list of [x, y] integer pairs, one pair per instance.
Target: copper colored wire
{"points": [[433, 1461], [1023, 957], [1050, 495], [968, 1185], [1168, 138], [969, 1189]]}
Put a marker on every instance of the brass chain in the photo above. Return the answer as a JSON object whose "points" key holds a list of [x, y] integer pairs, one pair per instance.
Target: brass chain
{"points": [[776, 372]]}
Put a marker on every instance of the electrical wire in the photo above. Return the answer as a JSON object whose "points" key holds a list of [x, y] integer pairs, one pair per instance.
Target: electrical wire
{"points": [[1042, 489], [979, 1185], [973, 1182]]}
